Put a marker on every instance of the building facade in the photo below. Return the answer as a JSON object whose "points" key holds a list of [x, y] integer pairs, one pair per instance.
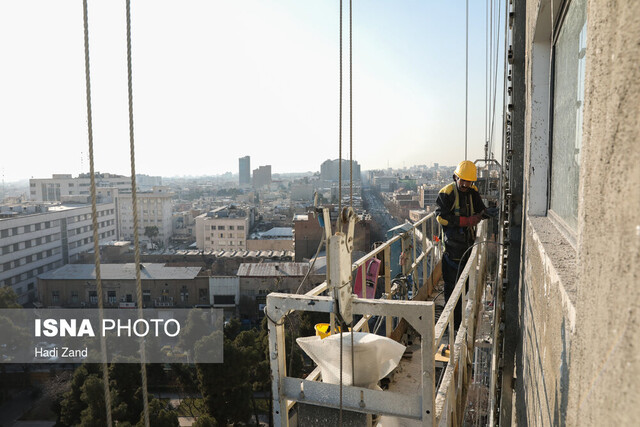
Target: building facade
{"points": [[59, 185], [330, 171], [35, 243], [244, 170], [224, 228], [574, 161], [74, 285], [262, 176], [154, 210]]}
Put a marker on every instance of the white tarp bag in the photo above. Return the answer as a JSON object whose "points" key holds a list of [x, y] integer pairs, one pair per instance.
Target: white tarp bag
{"points": [[374, 357]]}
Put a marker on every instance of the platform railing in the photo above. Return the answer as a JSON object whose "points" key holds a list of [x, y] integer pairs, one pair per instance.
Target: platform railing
{"points": [[443, 406]]}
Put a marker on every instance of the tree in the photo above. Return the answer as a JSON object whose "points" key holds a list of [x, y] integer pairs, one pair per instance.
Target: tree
{"points": [[93, 397], [151, 232], [224, 386], [205, 421], [8, 298], [160, 415]]}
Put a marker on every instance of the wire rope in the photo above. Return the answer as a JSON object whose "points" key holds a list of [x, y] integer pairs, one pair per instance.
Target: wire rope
{"points": [[340, 123], [495, 76], [134, 199], [466, 85], [94, 217], [350, 105]]}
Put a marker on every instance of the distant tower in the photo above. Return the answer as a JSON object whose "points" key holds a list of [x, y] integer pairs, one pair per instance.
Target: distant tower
{"points": [[244, 170]]}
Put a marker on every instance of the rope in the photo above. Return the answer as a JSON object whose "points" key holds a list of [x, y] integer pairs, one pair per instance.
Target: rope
{"points": [[136, 240], [466, 86], [94, 218]]}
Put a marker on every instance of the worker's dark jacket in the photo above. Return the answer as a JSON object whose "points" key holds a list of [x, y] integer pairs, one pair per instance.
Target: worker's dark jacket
{"points": [[452, 204]]}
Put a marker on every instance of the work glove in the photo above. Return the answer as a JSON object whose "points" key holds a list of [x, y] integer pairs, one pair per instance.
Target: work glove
{"points": [[470, 221]]}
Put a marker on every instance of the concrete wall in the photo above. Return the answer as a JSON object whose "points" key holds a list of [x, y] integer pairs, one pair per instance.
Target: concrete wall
{"points": [[606, 367], [579, 362]]}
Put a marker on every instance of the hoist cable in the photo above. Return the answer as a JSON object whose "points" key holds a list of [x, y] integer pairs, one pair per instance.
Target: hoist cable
{"points": [[350, 105], [94, 218], [340, 124], [486, 73], [134, 200], [466, 86], [495, 76]]}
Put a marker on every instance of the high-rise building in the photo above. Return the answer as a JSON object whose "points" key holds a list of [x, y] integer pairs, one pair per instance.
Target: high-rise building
{"points": [[330, 171], [262, 176], [244, 170]]}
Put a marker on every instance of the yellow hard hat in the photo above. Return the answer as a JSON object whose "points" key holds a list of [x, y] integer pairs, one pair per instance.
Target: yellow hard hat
{"points": [[466, 170]]}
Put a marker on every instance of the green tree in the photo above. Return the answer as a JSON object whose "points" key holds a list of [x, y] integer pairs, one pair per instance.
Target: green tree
{"points": [[159, 415], [8, 298], [151, 232], [224, 386], [94, 415], [205, 421], [71, 405]]}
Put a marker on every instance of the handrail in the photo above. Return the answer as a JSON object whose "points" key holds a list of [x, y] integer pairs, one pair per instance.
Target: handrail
{"points": [[447, 401]]}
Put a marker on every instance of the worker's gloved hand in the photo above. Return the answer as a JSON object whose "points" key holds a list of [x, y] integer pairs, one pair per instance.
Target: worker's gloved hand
{"points": [[491, 212], [470, 221]]}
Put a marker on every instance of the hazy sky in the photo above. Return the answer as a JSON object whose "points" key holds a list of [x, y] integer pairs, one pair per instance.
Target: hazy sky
{"points": [[217, 80]]}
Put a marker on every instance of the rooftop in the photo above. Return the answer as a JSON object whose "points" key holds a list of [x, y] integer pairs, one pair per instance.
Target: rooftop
{"points": [[148, 271], [273, 269]]}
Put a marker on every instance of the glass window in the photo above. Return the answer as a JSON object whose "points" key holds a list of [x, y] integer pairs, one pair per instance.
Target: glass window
{"points": [[111, 297], [93, 297], [568, 104], [55, 296]]}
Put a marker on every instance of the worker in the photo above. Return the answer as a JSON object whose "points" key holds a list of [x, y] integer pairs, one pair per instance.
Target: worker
{"points": [[459, 210]]}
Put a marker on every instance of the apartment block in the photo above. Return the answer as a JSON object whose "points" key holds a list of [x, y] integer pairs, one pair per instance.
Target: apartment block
{"points": [[224, 228], [59, 185], [37, 239], [154, 209], [262, 176]]}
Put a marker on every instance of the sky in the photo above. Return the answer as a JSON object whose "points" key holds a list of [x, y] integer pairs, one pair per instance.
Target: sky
{"points": [[217, 80]]}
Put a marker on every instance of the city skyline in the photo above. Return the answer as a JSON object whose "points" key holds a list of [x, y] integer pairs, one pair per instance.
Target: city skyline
{"points": [[270, 90]]}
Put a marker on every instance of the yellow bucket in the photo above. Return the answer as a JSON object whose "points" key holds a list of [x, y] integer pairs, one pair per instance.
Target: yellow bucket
{"points": [[322, 330]]}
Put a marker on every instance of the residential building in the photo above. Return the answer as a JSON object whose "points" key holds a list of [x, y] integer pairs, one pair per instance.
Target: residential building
{"points": [[38, 238], [244, 170], [262, 176], [74, 285], [154, 210], [224, 228], [385, 183], [428, 194], [53, 189]]}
